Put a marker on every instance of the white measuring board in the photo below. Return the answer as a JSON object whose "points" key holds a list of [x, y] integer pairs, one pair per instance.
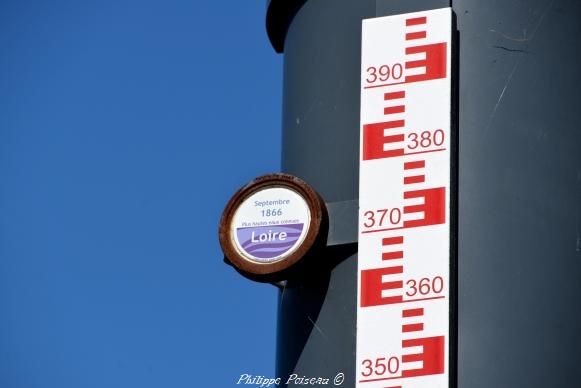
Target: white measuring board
{"points": [[404, 202]]}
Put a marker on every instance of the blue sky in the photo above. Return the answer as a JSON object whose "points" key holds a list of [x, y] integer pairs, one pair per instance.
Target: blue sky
{"points": [[125, 126]]}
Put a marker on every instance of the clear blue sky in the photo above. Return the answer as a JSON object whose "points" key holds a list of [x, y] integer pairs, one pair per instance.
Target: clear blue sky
{"points": [[125, 126]]}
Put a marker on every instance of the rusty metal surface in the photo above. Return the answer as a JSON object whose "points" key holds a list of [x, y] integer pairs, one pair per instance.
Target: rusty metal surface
{"points": [[289, 266]]}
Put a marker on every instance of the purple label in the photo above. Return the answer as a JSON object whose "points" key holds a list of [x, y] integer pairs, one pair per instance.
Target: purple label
{"points": [[268, 242]]}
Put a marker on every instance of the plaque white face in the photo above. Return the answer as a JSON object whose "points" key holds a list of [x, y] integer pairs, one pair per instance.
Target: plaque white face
{"points": [[270, 224]]}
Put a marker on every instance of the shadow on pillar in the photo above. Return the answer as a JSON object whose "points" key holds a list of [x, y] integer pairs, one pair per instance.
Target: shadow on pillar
{"points": [[316, 320]]}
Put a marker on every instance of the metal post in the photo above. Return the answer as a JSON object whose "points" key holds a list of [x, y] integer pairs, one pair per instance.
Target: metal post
{"points": [[518, 195]]}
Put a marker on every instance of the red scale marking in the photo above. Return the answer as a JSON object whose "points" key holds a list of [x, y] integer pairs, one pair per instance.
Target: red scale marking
{"points": [[372, 284], [415, 21], [394, 95], [392, 255], [393, 139], [385, 125], [414, 165], [374, 139], [424, 152], [434, 207], [412, 327], [422, 299], [412, 313], [415, 35], [414, 179], [394, 109], [392, 240], [392, 285], [432, 355], [434, 63], [383, 85]]}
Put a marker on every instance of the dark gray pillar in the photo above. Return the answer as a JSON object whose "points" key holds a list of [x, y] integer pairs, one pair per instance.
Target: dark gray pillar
{"points": [[519, 184], [316, 320], [519, 194]]}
